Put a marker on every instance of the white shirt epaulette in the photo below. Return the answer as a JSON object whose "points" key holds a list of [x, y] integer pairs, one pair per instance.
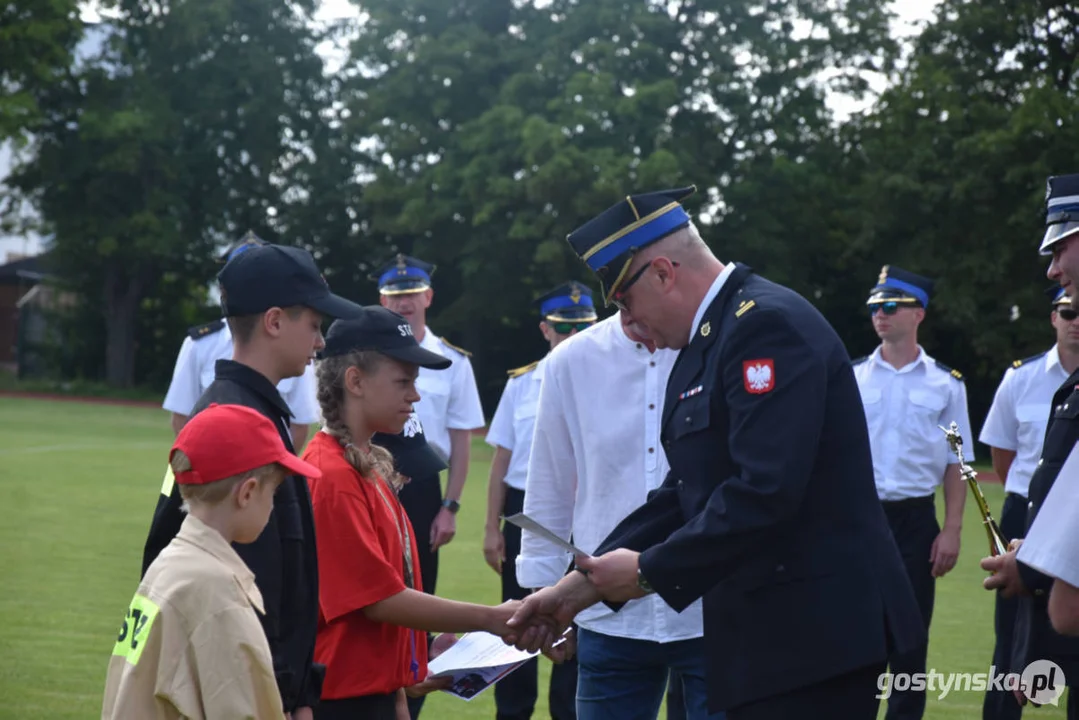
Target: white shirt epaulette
{"points": [[453, 347], [518, 372]]}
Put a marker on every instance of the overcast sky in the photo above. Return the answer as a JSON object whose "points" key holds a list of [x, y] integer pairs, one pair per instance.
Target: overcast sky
{"points": [[909, 12]]}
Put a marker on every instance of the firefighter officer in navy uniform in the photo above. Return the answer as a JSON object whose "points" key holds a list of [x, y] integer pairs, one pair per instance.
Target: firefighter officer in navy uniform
{"points": [[1035, 638], [769, 511], [908, 396], [1014, 430]]}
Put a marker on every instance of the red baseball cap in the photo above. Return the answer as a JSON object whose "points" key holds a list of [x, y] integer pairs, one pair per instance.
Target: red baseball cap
{"points": [[227, 440]]}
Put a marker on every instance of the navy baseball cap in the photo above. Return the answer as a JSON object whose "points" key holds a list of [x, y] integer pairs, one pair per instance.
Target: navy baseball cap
{"points": [[380, 329], [266, 276], [413, 457]]}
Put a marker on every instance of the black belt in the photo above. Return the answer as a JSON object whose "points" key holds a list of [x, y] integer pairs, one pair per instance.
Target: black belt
{"points": [[909, 503]]}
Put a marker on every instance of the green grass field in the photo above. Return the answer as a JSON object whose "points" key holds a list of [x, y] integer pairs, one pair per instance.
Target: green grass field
{"points": [[78, 483]]}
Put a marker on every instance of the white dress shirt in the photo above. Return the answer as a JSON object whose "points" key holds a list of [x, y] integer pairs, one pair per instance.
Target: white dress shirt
{"points": [[1052, 545], [194, 371], [905, 409], [514, 421], [449, 399], [709, 296], [1020, 412], [596, 453]]}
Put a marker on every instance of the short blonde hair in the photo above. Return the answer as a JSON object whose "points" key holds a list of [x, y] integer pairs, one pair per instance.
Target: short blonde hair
{"points": [[215, 492]]}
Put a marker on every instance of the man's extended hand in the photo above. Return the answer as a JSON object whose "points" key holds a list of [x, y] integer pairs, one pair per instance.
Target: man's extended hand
{"points": [[614, 575], [565, 650], [494, 548], [544, 615], [1006, 573]]}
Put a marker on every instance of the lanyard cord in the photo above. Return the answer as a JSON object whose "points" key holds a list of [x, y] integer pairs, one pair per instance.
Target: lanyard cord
{"points": [[406, 544]]}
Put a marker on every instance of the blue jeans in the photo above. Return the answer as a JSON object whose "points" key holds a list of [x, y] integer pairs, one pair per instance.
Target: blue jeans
{"points": [[624, 679]]}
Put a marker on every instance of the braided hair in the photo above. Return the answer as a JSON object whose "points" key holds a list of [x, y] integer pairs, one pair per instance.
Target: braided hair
{"points": [[331, 399]]}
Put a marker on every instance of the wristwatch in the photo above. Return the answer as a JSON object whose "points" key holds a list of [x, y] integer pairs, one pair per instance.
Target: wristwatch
{"points": [[642, 583], [452, 505]]}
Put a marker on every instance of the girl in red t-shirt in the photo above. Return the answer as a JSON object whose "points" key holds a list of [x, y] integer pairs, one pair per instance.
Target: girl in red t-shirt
{"points": [[373, 615]]}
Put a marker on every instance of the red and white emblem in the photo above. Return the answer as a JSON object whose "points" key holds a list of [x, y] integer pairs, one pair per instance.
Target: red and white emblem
{"points": [[759, 376]]}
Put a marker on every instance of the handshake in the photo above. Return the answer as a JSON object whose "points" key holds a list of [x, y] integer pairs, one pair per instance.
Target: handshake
{"points": [[542, 620]]}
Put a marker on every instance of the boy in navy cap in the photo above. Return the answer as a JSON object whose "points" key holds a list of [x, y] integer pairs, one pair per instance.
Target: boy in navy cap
{"points": [[908, 396], [564, 311], [274, 299], [769, 512], [205, 344]]}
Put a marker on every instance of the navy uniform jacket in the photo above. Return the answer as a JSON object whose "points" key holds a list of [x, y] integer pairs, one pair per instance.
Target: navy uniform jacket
{"points": [[770, 511], [1034, 636], [283, 557]]}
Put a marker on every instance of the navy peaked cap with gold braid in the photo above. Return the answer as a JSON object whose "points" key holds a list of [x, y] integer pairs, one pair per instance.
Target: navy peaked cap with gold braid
{"points": [[898, 285], [403, 274], [569, 302], [1057, 295], [608, 242]]}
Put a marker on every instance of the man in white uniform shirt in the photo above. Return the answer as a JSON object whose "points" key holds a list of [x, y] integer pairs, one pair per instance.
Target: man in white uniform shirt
{"points": [[564, 311], [907, 397], [1014, 430], [596, 454], [208, 343]]}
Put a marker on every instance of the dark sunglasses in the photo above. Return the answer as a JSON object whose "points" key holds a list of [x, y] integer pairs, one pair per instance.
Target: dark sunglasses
{"points": [[565, 328], [1068, 314], [617, 301], [888, 308]]}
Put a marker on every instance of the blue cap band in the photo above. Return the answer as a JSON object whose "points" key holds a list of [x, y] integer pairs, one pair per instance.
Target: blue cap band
{"points": [[242, 248], [640, 237], [406, 273], [563, 302], [909, 289]]}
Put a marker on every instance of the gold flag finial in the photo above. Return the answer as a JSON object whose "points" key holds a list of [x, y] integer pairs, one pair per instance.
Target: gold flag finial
{"points": [[998, 544], [883, 275]]}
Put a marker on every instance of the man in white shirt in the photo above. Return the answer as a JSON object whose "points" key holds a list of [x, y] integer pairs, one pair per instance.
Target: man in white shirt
{"points": [[908, 396], [1014, 430], [596, 455], [208, 343], [449, 410], [564, 311]]}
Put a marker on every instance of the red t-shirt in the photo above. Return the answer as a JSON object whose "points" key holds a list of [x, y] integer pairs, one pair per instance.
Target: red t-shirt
{"points": [[358, 533]]}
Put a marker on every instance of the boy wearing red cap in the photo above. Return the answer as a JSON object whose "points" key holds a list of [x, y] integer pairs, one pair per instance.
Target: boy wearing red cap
{"points": [[191, 644]]}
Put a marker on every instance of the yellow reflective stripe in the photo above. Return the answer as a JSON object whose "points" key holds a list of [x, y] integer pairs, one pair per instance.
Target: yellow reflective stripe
{"points": [[136, 629], [166, 484]]}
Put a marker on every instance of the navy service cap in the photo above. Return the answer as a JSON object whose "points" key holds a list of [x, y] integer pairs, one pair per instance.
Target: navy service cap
{"points": [[266, 276], [382, 330], [1057, 295], [404, 274], [1061, 211], [608, 242], [248, 241], [569, 302], [900, 286], [413, 456]]}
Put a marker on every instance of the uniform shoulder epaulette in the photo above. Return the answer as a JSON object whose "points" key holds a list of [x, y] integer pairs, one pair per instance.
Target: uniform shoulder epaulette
{"points": [[518, 372], [1024, 361], [451, 346], [744, 307], [200, 331], [951, 371], [857, 361]]}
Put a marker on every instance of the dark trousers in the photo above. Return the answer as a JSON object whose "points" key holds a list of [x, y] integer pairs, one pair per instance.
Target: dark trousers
{"points": [[515, 695], [422, 499], [1001, 704], [676, 698], [851, 697], [914, 526], [368, 707]]}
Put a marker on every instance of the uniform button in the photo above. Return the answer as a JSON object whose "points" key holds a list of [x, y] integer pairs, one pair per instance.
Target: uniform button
{"points": [[1039, 593], [1065, 406], [689, 419], [638, 346], [679, 483], [1030, 505], [780, 568], [651, 406], [651, 450], [1040, 463], [653, 364]]}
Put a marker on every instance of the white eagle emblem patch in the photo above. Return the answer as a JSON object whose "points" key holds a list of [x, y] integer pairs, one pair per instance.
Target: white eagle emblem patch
{"points": [[759, 375], [412, 426]]}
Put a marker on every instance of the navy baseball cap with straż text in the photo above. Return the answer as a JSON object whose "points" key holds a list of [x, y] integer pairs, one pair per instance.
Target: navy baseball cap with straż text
{"points": [[268, 276]]}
